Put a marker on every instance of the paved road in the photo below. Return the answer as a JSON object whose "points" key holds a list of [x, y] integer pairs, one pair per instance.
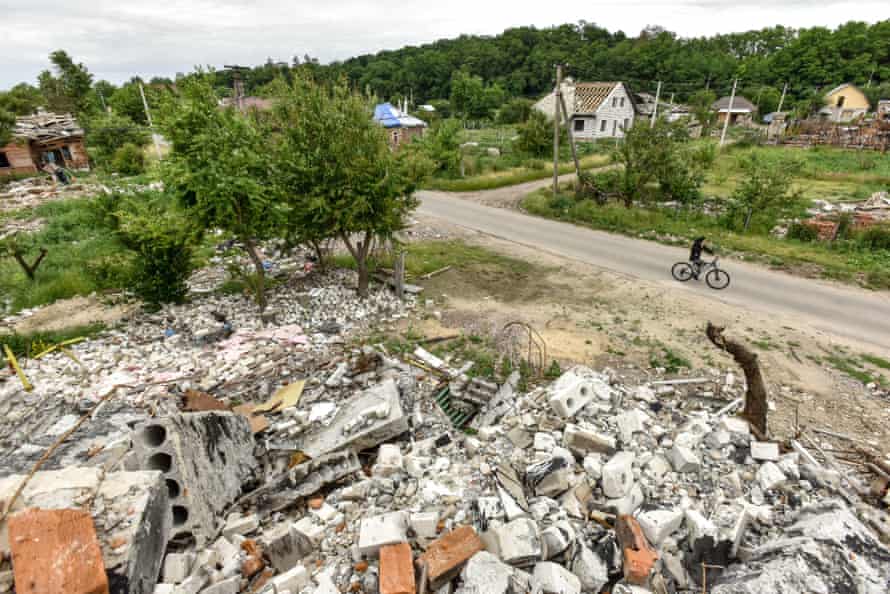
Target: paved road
{"points": [[846, 311]]}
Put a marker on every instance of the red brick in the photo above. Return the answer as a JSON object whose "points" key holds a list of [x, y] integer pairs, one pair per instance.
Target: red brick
{"points": [[445, 557], [396, 569], [56, 551], [639, 556]]}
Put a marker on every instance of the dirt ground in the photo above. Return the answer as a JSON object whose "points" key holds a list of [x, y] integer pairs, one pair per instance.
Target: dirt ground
{"points": [[69, 313], [595, 317]]}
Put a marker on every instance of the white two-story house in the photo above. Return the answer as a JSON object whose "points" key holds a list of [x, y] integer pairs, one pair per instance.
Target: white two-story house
{"points": [[596, 109]]}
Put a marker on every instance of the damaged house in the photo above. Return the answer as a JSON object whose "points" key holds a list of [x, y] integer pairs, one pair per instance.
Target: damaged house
{"points": [[44, 138], [596, 109]]}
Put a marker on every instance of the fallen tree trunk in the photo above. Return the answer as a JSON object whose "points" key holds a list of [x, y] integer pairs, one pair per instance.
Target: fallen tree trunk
{"points": [[755, 410]]}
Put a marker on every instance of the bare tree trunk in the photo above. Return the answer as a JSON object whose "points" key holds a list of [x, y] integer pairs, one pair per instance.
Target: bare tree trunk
{"points": [[254, 254], [360, 252], [755, 397], [29, 269]]}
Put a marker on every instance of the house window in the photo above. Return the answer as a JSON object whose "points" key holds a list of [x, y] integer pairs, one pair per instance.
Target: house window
{"points": [[66, 153], [840, 101], [394, 135], [579, 125], [603, 126], [614, 127], [4, 161], [614, 101], [626, 125], [622, 102]]}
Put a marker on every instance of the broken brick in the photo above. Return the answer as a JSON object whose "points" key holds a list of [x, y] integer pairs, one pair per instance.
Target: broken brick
{"points": [[445, 557], [56, 551], [316, 502], [361, 566], [252, 566], [639, 556], [396, 569]]}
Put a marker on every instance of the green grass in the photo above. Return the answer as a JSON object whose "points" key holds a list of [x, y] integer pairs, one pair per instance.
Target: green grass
{"points": [[842, 261], [876, 361], [30, 344], [510, 177], [853, 368]]}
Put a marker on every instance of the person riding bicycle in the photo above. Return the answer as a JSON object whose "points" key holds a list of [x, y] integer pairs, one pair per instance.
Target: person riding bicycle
{"points": [[698, 246]]}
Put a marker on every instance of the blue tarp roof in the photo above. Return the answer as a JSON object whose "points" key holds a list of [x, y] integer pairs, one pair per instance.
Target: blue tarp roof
{"points": [[392, 117]]}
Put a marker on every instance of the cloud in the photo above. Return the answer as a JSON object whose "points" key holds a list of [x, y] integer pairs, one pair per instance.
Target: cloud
{"points": [[122, 38]]}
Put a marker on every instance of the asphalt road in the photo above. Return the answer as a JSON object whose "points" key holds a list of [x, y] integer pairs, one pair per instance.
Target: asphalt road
{"points": [[850, 312]]}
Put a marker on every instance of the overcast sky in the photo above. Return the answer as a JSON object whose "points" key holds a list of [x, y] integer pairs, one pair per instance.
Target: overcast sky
{"points": [[117, 39]]}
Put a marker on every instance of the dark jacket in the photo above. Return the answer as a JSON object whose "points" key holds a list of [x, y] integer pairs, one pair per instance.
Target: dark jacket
{"points": [[698, 246]]}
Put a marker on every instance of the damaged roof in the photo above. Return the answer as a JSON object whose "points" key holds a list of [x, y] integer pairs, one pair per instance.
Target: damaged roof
{"points": [[389, 116], [46, 126], [589, 96]]}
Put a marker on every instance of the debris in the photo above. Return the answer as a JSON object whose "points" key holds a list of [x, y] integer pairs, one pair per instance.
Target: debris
{"points": [[14, 363], [755, 397], [396, 569], [445, 557], [285, 397], [639, 557]]}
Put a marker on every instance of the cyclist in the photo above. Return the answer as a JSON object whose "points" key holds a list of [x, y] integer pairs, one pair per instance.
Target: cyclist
{"points": [[698, 246]]}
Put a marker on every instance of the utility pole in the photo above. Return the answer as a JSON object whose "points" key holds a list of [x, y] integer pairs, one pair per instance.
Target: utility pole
{"points": [[151, 126], [870, 76], [557, 103], [782, 98], [238, 84], [655, 109], [735, 82], [565, 117], [708, 83]]}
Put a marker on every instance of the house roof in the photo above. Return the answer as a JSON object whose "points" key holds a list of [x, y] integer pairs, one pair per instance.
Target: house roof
{"points": [[589, 96], [739, 105], [391, 117], [46, 127], [248, 103], [841, 88]]}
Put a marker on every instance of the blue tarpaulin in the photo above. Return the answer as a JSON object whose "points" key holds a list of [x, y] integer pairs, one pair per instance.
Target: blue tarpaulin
{"points": [[391, 117]]}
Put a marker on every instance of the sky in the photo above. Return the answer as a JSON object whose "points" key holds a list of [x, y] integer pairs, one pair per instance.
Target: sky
{"points": [[118, 39]]}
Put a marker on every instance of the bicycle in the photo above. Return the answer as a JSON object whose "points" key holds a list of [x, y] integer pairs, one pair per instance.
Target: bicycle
{"points": [[716, 277]]}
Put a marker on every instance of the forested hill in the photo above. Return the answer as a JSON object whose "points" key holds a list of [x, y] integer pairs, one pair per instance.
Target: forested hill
{"points": [[520, 60]]}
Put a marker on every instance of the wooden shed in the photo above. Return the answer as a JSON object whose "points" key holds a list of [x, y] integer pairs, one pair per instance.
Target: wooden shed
{"points": [[41, 139]]}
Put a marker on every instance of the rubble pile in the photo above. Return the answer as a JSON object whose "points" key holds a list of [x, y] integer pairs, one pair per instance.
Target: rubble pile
{"points": [[280, 456], [33, 191]]}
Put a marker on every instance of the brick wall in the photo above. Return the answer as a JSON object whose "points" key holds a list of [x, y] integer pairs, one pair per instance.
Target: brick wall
{"points": [[19, 157]]}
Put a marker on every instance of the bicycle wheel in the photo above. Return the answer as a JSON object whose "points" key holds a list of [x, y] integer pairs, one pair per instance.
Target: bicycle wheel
{"points": [[717, 279], [682, 271]]}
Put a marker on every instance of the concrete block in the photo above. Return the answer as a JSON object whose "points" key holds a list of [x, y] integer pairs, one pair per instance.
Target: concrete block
{"points": [[556, 579], [396, 569], [389, 461], [164, 589], [484, 573], [557, 538], [735, 425], [362, 422], [767, 451], [630, 422], [575, 389], [131, 517], [192, 584], [520, 542], [445, 557], [699, 526], [769, 476], [684, 459], [583, 441], [326, 585], [231, 585], [658, 466], [718, 439], [310, 529], [242, 525], [205, 458], [285, 546], [56, 551], [294, 580], [593, 466], [631, 502], [659, 524], [425, 524], [177, 567], [618, 475], [591, 569], [544, 442], [382, 530]]}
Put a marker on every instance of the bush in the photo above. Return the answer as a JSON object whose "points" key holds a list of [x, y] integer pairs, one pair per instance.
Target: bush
{"points": [[128, 160], [515, 111], [802, 232], [876, 237], [163, 246], [536, 135], [108, 132]]}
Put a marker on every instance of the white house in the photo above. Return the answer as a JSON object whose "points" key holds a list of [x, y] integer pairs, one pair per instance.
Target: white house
{"points": [[596, 110]]}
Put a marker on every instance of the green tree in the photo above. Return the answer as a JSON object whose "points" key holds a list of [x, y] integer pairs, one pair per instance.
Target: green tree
{"points": [[441, 144], [515, 111], [7, 125], [335, 168], [108, 132], [22, 99], [701, 102], [69, 89], [763, 193], [467, 94], [219, 169], [536, 135]]}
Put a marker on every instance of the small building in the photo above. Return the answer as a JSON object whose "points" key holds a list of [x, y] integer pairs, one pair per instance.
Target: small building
{"points": [[41, 139], [645, 104], [401, 128], [596, 109], [742, 112], [844, 103], [883, 110], [245, 104]]}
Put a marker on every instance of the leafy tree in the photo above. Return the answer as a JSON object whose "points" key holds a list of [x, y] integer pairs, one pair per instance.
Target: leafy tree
{"points": [[335, 168], [701, 102], [515, 111], [218, 167], [128, 160], [22, 99], [108, 132], [536, 135], [441, 144], [763, 193], [467, 94], [69, 89]]}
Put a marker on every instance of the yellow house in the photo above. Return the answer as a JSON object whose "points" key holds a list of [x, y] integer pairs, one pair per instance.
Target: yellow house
{"points": [[844, 103]]}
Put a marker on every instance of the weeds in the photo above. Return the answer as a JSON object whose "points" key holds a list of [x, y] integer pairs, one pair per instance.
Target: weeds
{"points": [[30, 344]]}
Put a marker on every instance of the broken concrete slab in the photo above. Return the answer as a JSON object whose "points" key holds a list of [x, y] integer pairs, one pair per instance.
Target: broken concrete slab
{"points": [[285, 546], [56, 551], [378, 531], [372, 417], [618, 475], [556, 579], [591, 569], [484, 573], [766, 451], [130, 513], [659, 524], [581, 441], [206, 459], [520, 542]]}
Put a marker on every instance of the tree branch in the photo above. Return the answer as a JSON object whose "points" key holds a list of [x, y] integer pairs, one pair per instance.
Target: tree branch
{"points": [[755, 396]]}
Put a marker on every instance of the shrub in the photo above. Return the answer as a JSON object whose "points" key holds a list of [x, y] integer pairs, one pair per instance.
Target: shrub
{"points": [[515, 111], [108, 132], [536, 135], [163, 246], [876, 237], [128, 160], [802, 232]]}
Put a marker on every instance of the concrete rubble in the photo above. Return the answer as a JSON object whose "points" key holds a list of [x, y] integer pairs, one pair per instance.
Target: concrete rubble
{"points": [[311, 463]]}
